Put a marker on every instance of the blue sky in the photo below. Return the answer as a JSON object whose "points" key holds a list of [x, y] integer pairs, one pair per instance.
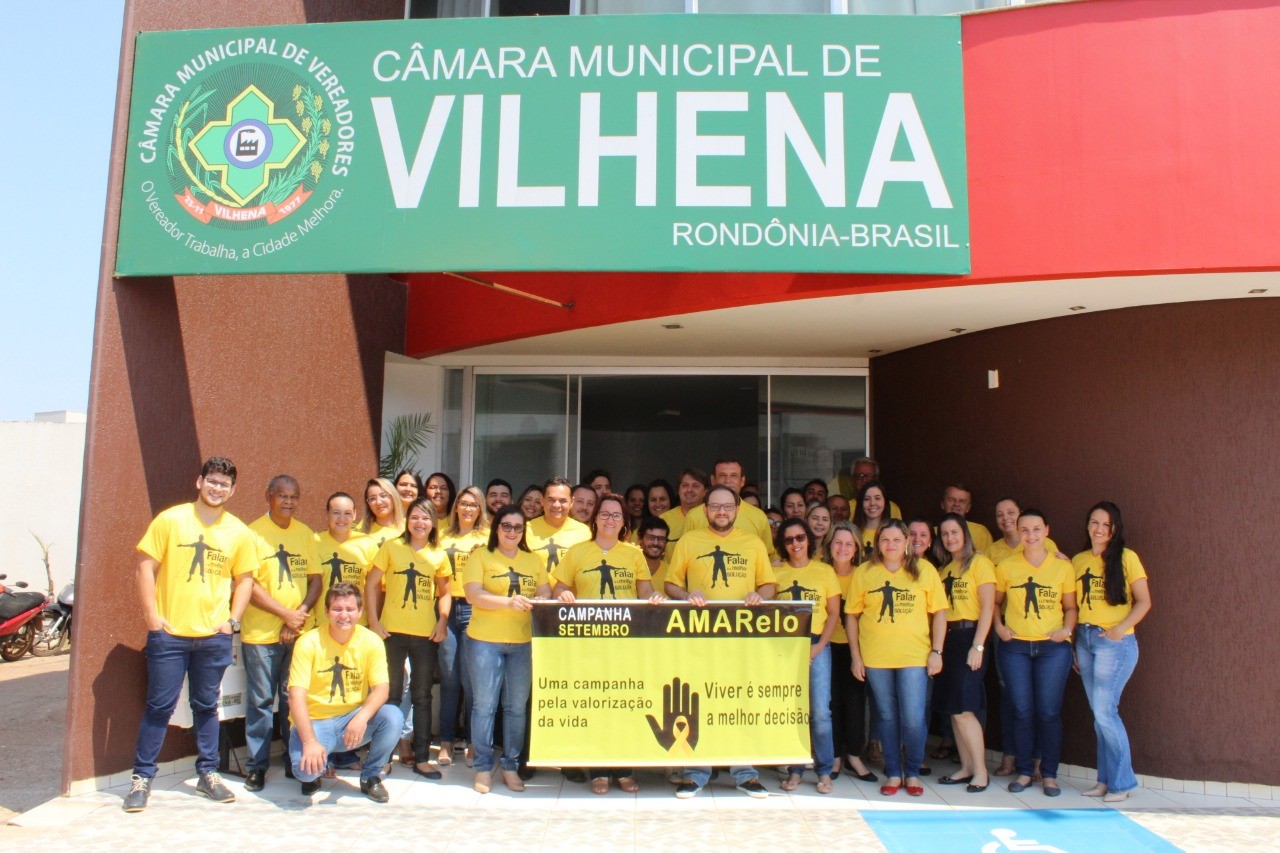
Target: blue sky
{"points": [[61, 61]]}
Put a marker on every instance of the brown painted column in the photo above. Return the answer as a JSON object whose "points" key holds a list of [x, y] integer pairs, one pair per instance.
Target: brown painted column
{"points": [[1169, 411], [279, 373]]}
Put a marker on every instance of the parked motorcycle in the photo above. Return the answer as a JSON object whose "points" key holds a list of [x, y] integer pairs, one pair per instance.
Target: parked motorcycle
{"points": [[20, 619], [56, 631]]}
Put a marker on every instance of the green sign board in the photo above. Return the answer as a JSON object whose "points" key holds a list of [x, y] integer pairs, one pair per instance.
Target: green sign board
{"points": [[807, 143]]}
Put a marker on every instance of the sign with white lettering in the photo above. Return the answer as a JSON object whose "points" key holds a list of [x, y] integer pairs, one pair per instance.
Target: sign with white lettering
{"points": [[629, 683], [806, 143]]}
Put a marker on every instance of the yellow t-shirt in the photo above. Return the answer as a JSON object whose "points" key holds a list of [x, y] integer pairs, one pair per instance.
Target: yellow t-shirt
{"points": [[844, 581], [868, 537], [337, 677], [549, 544], [509, 577], [1033, 596], [750, 518], [197, 562], [1092, 593], [962, 589], [980, 535], [999, 551], [723, 568], [591, 573], [380, 534], [894, 610], [676, 520], [291, 558], [409, 607], [457, 550], [346, 562], [815, 583]]}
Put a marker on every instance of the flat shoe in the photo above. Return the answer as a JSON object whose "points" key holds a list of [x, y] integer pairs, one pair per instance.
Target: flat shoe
{"points": [[825, 786], [1095, 791], [952, 780], [792, 782], [1016, 787], [426, 771], [1052, 791], [483, 782], [600, 786], [1115, 796], [890, 790], [1005, 769], [976, 789], [867, 777], [629, 785], [915, 790], [445, 758]]}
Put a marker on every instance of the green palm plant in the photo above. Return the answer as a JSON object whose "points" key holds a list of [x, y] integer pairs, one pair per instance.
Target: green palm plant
{"points": [[406, 436]]}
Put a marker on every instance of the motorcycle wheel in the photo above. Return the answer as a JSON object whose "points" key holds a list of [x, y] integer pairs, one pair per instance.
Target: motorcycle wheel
{"points": [[43, 646], [18, 643]]}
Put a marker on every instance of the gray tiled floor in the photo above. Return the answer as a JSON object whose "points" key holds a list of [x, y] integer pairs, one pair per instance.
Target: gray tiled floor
{"points": [[556, 815]]}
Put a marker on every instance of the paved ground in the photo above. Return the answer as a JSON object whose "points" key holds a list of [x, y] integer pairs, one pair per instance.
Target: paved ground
{"points": [[556, 815], [33, 716]]}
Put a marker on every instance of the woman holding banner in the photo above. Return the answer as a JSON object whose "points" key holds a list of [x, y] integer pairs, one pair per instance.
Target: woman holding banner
{"points": [[896, 605], [802, 578], [501, 581], [606, 567]]}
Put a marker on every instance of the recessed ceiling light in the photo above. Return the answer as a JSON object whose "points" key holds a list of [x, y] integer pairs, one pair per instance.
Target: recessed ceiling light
{"points": [[958, 331], [1258, 290], [672, 326], [1076, 308], [874, 351]]}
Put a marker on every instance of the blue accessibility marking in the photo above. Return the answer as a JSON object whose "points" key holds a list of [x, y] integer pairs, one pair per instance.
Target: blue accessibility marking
{"points": [[1001, 831]]}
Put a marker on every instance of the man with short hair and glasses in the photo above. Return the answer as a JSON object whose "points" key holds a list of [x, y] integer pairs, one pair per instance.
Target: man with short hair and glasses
{"points": [[195, 577], [720, 563]]}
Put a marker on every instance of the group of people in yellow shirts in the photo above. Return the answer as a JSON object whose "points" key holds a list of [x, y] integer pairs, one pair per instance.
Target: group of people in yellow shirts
{"points": [[444, 580]]}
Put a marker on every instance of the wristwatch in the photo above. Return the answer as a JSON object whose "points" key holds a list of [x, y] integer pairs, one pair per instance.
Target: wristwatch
{"points": [[235, 625], [937, 652], [977, 646]]}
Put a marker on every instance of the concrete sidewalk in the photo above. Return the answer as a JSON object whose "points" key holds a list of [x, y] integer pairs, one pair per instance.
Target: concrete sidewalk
{"points": [[557, 815]]}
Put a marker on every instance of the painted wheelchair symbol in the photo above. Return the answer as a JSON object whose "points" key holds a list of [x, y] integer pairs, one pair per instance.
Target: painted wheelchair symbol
{"points": [[1007, 839]]}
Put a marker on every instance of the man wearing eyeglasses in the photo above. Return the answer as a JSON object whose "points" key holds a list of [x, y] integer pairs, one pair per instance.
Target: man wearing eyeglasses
{"points": [[653, 542], [721, 563], [190, 617], [729, 472]]}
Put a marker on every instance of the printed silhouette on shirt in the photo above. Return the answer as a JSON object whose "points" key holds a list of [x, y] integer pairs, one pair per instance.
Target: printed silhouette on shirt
{"points": [[886, 604], [718, 567], [197, 559]]}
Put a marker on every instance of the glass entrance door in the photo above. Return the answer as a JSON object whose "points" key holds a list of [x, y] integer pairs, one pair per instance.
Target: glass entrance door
{"points": [[788, 427]]}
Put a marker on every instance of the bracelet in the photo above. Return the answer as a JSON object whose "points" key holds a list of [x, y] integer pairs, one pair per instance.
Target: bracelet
{"points": [[310, 740]]}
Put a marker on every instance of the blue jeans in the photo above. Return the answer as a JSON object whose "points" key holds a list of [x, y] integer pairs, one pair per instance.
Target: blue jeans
{"points": [[171, 659], [820, 731], [266, 670], [1035, 674], [700, 776], [900, 704], [455, 690], [381, 734], [1105, 667], [499, 672]]}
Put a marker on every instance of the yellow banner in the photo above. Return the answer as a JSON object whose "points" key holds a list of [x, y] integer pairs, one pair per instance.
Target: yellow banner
{"points": [[632, 684]]}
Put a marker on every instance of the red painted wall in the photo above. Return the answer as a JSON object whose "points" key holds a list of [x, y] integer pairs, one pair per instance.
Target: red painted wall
{"points": [[1106, 137]]}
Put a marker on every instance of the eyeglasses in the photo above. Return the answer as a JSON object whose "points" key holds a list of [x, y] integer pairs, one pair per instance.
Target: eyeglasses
{"points": [[791, 540], [720, 507], [649, 537], [218, 484], [609, 516], [468, 505], [511, 527]]}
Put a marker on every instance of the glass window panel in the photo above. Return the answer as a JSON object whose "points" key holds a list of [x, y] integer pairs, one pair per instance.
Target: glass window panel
{"points": [[764, 7], [450, 424], [447, 8], [527, 8], [633, 7], [819, 426], [520, 428]]}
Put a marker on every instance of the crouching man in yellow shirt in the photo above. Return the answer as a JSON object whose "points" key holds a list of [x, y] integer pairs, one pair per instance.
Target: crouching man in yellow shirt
{"points": [[338, 687]]}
